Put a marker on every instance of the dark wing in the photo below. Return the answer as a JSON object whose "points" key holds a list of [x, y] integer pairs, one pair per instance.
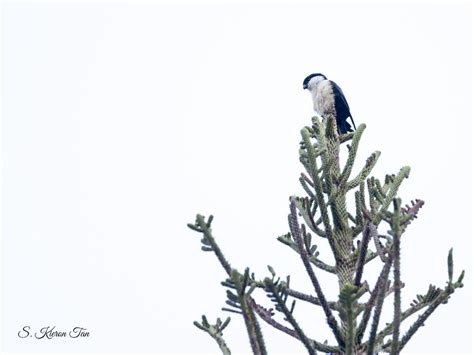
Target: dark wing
{"points": [[342, 110]]}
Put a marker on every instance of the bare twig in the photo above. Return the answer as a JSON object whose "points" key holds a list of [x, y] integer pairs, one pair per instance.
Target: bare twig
{"points": [[396, 229], [369, 231], [267, 316], [294, 226], [289, 316], [206, 230], [378, 288]]}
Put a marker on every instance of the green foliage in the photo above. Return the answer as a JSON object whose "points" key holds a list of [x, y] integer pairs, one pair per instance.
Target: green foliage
{"points": [[322, 215]]}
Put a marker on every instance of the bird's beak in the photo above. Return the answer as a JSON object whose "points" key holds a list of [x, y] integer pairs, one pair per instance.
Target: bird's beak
{"points": [[305, 86]]}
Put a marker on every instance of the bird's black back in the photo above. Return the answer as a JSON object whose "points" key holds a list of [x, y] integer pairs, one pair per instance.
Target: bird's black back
{"points": [[342, 110]]}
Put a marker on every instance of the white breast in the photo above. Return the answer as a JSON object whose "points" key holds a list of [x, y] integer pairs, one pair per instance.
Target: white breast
{"points": [[323, 98]]}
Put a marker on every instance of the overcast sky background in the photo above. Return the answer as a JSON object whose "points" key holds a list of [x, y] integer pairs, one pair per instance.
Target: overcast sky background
{"points": [[122, 121]]}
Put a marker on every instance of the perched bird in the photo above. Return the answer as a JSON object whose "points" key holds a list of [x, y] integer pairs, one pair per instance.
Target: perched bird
{"points": [[328, 99]]}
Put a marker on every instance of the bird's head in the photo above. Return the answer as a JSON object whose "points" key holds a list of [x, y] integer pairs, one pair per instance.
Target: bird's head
{"points": [[311, 80]]}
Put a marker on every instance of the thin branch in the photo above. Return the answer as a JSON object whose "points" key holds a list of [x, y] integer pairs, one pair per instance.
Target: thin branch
{"points": [[267, 316], [370, 256], [378, 288], [412, 211], [294, 226], [423, 317], [396, 229], [206, 230], [314, 260], [215, 331], [414, 208], [369, 231], [306, 185], [404, 315], [302, 296], [345, 137], [369, 165], [309, 298], [441, 298], [251, 322], [253, 328], [303, 206], [390, 290], [289, 316], [378, 307], [352, 154], [402, 174], [347, 299], [318, 187], [381, 250]]}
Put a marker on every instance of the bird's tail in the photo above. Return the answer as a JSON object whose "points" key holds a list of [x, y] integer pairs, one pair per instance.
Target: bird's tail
{"points": [[345, 127], [353, 124]]}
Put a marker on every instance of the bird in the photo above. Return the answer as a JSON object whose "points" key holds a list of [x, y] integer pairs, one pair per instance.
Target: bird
{"points": [[328, 99]]}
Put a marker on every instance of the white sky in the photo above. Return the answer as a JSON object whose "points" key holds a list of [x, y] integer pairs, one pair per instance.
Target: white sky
{"points": [[122, 121]]}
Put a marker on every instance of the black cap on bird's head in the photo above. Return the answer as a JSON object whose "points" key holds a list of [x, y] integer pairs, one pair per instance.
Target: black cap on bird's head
{"points": [[309, 77]]}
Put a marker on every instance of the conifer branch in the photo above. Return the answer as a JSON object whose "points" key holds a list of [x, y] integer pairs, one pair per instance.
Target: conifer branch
{"points": [[381, 250], [301, 296], [347, 299], [396, 229], [303, 206], [317, 185], [378, 288], [205, 228], [363, 205], [380, 297], [370, 256], [423, 317], [322, 265], [253, 328], [306, 183], [240, 282], [269, 283], [358, 206], [403, 174], [310, 299], [411, 212], [215, 331], [346, 137], [295, 231], [369, 165], [324, 214], [325, 135], [267, 316], [286, 239], [423, 301], [369, 231], [379, 189], [352, 154], [307, 180], [442, 297]]}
